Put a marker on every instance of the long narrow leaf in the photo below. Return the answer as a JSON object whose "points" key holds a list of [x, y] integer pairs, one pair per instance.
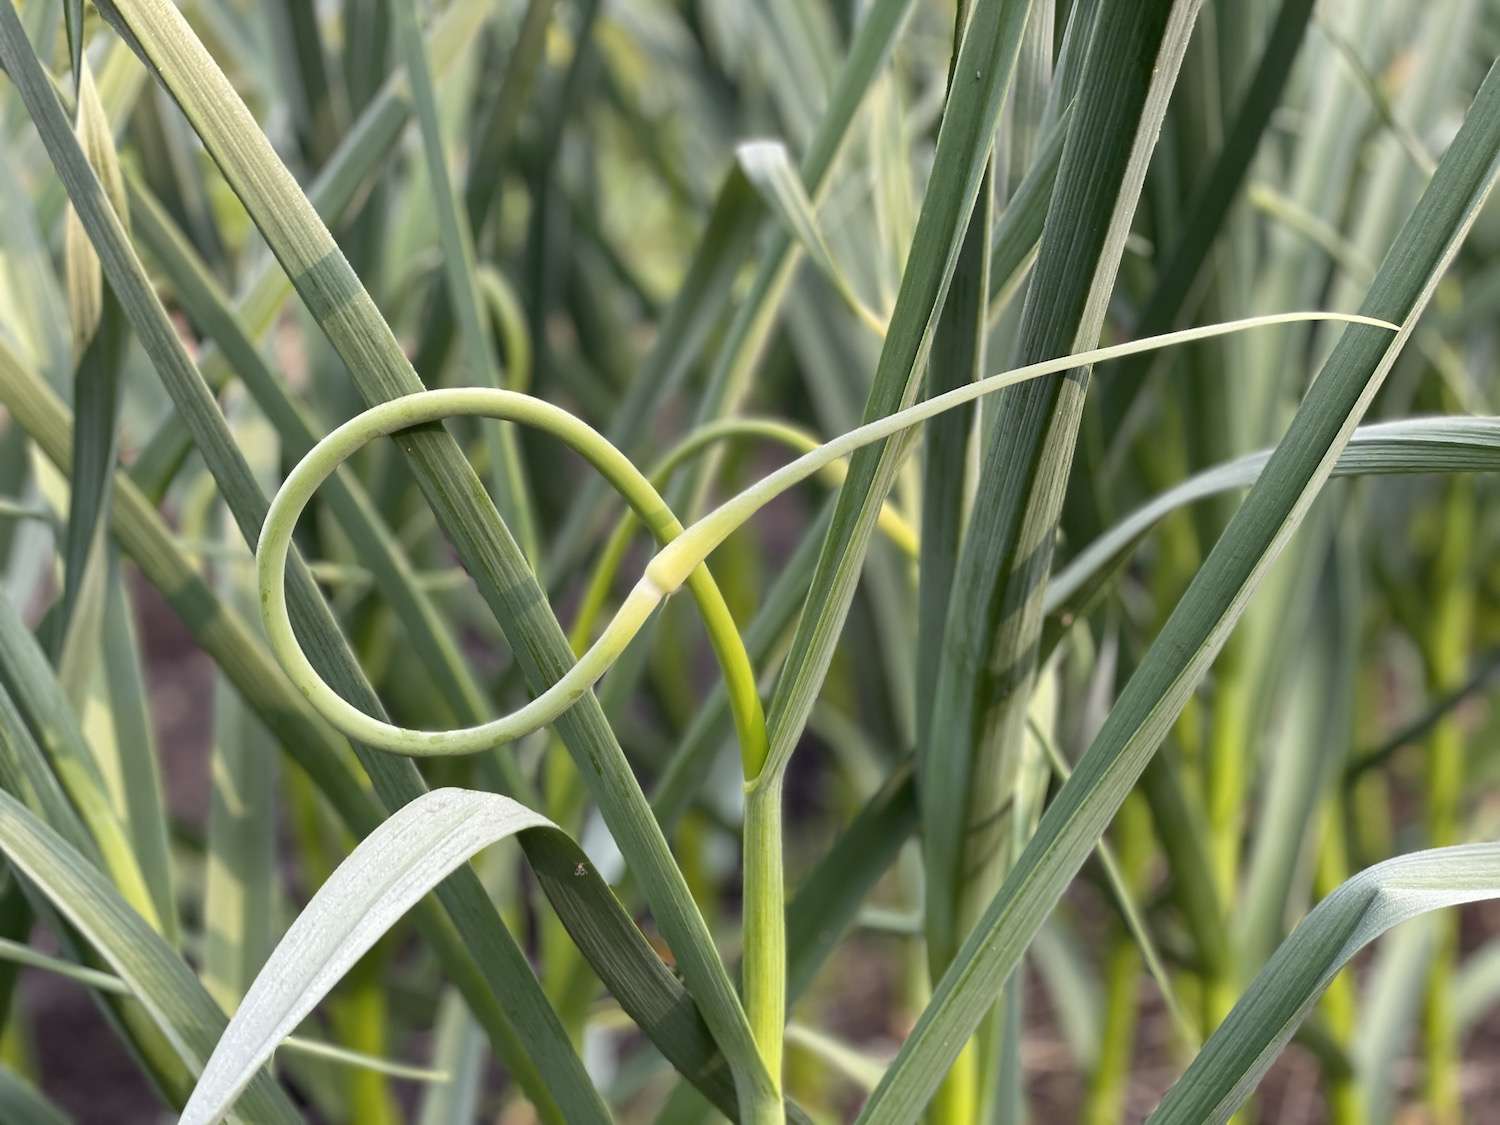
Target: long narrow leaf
{"points": [[398, 781], [1277, 1000], [988, 51], [154, 973], [983, 685], [346, 312], [1410, 445]]}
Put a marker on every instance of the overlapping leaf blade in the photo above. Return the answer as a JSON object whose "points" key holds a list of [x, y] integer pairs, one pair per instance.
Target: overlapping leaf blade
{"points": [[1243, 1048], [1198, 625]]}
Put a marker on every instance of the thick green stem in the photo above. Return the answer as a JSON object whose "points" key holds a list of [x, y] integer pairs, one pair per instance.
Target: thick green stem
{"points": [[765, 933], [1111, 1078]]}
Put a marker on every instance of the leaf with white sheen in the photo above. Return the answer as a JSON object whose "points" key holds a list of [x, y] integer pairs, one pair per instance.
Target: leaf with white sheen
{"points": [[387, 874], [1248, 1041], [768, 167]]}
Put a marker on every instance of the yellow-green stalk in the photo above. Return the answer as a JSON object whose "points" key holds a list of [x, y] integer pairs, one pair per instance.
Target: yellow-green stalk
{"points": [[1446, 647], [1110, 1081], [1339, 1003]]}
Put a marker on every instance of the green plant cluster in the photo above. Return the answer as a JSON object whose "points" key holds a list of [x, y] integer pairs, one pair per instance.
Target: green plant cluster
{"points": [[455, 374]]}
